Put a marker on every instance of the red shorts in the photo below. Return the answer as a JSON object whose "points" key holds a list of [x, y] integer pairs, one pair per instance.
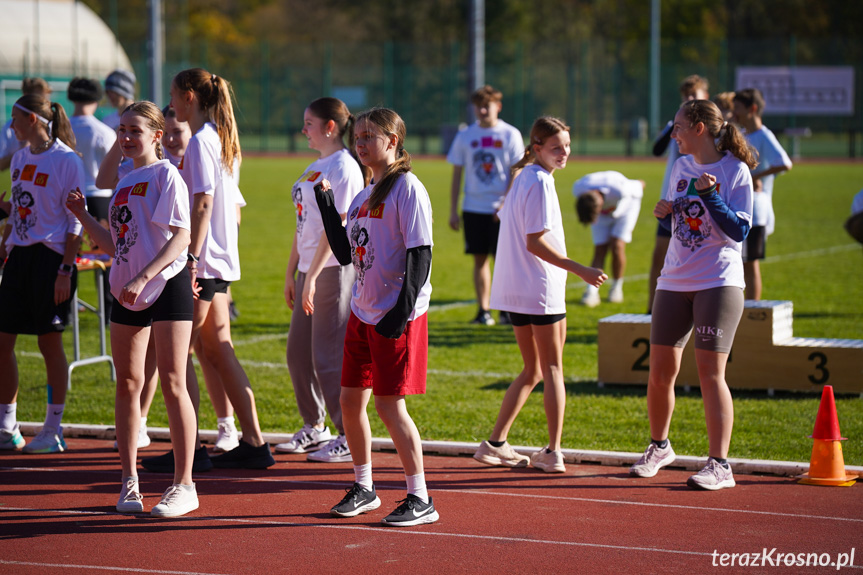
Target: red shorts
{"points": [[388, 366]]}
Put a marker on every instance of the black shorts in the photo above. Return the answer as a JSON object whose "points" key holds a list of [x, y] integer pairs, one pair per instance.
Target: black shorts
{"points": [[480, 233], [662, 232], [210, 287], [27, 292], [521, 319], [175, 303], [755, 244], [98, 207]]}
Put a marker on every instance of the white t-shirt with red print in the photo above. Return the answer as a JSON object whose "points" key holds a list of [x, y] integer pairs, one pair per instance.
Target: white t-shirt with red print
{"points": [[40, 185], [700, 255], [203, 172], [486, 154], [344, 174], [522, 282], [379, 241], [148, 201]]}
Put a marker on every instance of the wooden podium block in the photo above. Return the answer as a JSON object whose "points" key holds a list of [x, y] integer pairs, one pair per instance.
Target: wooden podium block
{"points": [[765, 355]]}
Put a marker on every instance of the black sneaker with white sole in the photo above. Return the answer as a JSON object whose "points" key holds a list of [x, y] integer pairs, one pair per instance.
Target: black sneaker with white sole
{"points": [[357, 500], [412, 511]]}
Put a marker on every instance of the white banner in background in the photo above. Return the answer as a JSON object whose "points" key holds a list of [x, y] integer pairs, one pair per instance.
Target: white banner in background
{"points": [[802, 90]]}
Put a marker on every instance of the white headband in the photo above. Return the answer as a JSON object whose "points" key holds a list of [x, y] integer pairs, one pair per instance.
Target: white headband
{"points": [[28, 111]]}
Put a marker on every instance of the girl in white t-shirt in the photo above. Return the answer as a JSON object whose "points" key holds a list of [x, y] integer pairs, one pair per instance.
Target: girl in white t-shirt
{"points": [[530, 283], [322, 286], [148, 237], [388, 238], [41, 240], [213, 155], [708, 208]]}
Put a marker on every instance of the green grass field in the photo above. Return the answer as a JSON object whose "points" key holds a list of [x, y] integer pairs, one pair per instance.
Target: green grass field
{"points": [[812, 263]]}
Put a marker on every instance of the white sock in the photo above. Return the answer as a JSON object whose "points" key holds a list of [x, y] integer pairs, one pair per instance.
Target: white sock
{"points": [[618, 283], [53, 415], [143, 423], [229, 419], [363, 475], [417, 486], [589, 289], [8, 416]]}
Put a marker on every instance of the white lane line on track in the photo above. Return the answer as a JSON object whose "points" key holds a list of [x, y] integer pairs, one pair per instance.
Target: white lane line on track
{"points": [[101, 568], [383, 486]]}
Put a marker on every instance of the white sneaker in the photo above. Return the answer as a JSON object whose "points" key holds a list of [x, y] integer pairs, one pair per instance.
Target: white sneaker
{"points": [[616, 294], [548, 461], [177, 500], [227, 438], [652, 460], [143, 438], [713, 477], [130, 500], [336, 451], [504, 455], [591, 297], [49, 440], [305, 440]]}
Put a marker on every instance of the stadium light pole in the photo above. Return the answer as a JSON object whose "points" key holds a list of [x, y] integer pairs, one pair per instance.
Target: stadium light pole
{"points": [[655, 23], [476, 38], [155, 51]]}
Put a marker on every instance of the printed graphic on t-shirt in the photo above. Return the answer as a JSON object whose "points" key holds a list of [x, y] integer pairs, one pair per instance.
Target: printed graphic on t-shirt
{"points": [[23, 202], [122, 221], [692, 228], [363, 255], [485, 166], [297, 196]]}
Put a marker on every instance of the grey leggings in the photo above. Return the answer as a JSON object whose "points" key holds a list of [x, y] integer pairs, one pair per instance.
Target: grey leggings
{"points": [[714, 312], [316, 343]]}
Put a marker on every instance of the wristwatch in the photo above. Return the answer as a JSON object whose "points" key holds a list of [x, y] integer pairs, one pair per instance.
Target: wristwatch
{"points": [[66, 268]]}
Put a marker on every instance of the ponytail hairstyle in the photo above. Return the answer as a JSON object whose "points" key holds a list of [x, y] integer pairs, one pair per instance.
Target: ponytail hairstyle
{"points": [[327, 109], [155, 120], [726, 135], [214, 95], [543, 128], [51, 115], [388, 123]]}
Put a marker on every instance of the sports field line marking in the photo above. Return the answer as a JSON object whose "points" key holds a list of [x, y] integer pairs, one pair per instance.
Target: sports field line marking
{"points": [[384, 486], [102, 568]]}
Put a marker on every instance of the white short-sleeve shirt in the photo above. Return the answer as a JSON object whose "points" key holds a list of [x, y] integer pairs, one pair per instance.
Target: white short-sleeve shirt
{"points": [[40, 185], [379, 242], [148, 201], [770, 154], [486, 154], [344, 174], [522, 282], [93, 140], [203, 172], [700, 256]]}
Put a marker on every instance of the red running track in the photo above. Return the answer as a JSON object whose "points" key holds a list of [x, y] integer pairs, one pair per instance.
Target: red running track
{"points": [[57, 516]]}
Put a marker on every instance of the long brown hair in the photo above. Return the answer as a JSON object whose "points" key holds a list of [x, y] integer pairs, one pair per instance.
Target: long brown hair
{"points": [[215, 98], [543, 128], [155, 119], [726, 135], [52, 112], [390, 124], [327, 109]]}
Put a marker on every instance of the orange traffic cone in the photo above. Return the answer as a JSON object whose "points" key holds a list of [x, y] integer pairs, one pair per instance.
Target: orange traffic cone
{"points": [[827, 466]]}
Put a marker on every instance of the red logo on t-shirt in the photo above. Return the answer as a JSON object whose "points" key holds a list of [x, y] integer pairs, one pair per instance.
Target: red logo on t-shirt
{"points": [[376, 213], [180, 167], [122, 196], [313, 176], [27, 172], [41, 180], [140, 189]]}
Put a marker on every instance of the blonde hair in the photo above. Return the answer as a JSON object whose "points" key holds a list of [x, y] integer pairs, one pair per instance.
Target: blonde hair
{"points": [[390, 124], [215, 98], [155, 119], [543, 128], [726, 135]]}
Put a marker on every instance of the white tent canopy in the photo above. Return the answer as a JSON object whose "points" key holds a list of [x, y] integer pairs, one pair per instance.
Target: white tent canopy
{"points": [[56, 39]]}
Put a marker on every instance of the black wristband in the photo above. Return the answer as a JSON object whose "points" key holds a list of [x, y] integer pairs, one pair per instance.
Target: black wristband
{"points": [[192, 258], [66, 268], [706, 192]]}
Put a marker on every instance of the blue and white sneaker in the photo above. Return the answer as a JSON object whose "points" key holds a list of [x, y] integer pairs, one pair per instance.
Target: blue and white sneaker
{"points": [[11, 440], [412, 511], [306, 440], [49, 440]]}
